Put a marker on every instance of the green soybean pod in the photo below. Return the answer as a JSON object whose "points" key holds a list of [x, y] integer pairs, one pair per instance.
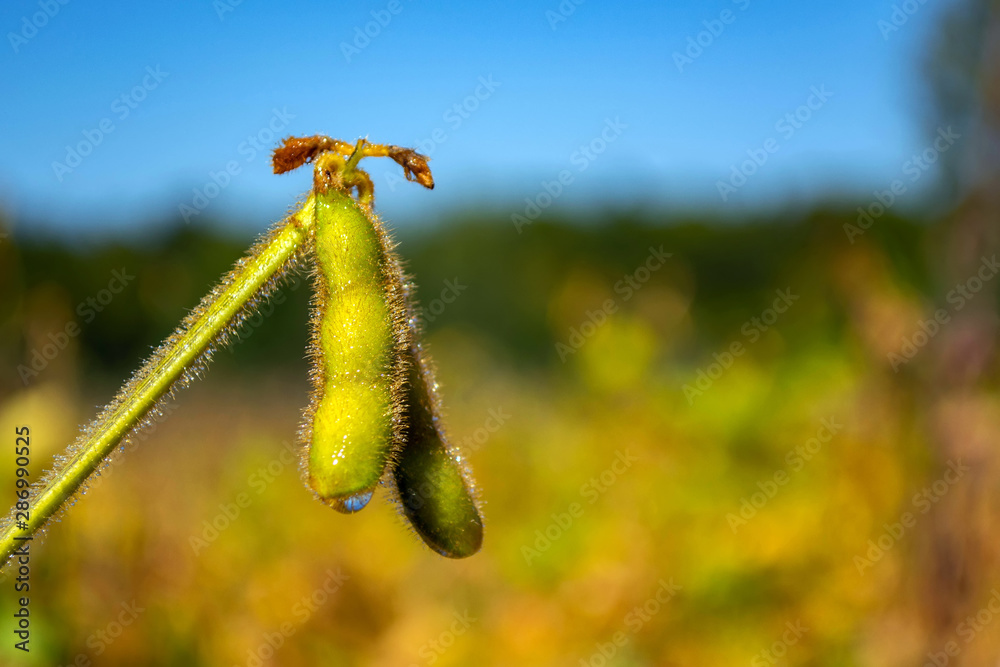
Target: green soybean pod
{"points": [[433, 483], [359, 335]]}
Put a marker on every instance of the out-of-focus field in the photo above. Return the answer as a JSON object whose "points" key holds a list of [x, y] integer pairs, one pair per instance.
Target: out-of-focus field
{"points": [[649, 500]]}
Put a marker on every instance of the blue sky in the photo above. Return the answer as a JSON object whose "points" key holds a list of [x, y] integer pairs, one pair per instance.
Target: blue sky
{"points": [[225, 72]]}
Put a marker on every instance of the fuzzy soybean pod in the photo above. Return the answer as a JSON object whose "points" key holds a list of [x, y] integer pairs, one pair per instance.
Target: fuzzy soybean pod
{"points": [[433, 483], [359, 335]]}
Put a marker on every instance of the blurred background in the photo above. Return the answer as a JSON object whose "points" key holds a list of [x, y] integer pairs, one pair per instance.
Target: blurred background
{"points": [[711, 288]]}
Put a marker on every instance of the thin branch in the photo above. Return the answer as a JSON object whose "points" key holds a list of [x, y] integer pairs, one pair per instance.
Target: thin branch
{"points": [[178, 360]]}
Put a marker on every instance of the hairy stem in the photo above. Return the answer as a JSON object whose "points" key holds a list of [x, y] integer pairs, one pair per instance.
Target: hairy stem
{"points": [[176, 361]]}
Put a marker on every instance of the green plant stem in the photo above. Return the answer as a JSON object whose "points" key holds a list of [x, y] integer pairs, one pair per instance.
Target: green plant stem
{"points": [[182, 351]]}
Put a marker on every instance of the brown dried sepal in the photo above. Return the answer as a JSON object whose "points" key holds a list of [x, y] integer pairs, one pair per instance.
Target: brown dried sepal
{"points": [[414, 165], [327, 154], [297, 151]]}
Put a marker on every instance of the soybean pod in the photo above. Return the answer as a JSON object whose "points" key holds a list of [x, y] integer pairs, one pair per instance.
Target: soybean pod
{"points": [[358, 340], [433, 483]]}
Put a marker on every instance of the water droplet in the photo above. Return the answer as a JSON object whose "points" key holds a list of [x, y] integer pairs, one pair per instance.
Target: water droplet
{"points": [[355, 503]]}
